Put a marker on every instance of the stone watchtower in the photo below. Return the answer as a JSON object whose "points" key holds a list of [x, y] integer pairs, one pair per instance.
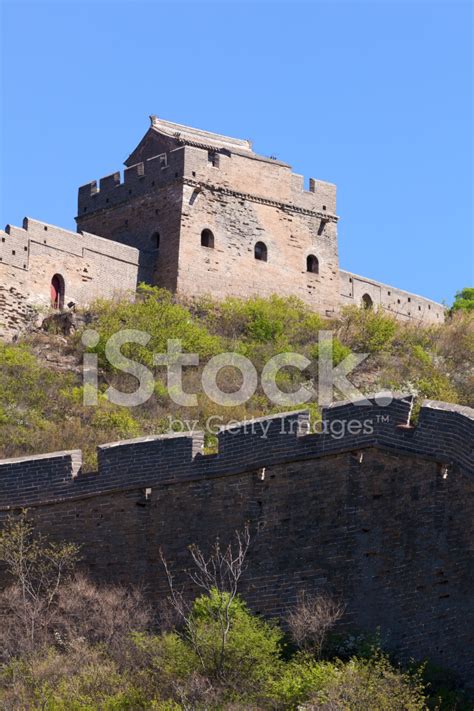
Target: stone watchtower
{"points": [[211, 216]]}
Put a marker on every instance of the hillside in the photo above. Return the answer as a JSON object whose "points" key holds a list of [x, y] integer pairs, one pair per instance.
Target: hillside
{"points": [[41, 391]]}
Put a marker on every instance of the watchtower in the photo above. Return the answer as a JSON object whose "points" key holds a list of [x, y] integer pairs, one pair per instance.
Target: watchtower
{"points": [[211, 216]]}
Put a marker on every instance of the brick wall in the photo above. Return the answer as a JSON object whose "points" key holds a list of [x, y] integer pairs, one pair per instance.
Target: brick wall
{"points": [[371, 510], [91, 267], [242, 200], [180, 181], [15, 313], [401, 304]]}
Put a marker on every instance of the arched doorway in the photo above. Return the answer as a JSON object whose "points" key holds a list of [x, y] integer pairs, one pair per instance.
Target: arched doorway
{"points": [[57, 292], [367, 302]]}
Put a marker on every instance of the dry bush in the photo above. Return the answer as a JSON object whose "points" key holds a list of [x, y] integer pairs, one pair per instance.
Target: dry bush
{"points": [[80, 611], [312, 618], [51, 679], [100, 615], [22, 623]]}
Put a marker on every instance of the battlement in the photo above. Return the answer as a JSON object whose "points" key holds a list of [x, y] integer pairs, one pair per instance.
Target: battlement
{"points": [[237, 171], [139, 179], [18, 244], [444, 433]]}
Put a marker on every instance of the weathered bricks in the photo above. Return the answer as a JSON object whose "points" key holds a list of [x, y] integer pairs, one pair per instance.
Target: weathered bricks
{"points": [[381, 517]]}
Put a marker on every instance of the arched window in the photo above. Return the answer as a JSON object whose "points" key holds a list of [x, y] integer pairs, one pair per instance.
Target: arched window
{"points": [[367, 302], [207, 239], [312, 264], [261, 252], [57, 291], [155, 240]]}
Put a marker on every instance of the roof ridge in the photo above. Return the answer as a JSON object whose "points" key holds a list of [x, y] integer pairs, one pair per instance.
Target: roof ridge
{"points": [[171, 128]]}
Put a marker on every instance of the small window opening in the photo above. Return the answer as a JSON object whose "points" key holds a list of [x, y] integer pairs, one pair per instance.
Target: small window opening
{"points": [[155, 240], [207, 239], [261, 252], [312, 264], [367, 301], [213, 158]]}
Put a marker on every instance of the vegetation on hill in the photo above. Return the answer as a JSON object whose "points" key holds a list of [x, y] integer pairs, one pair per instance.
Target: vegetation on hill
{"points": [[464, 300], [41, 401], [67, 644]]}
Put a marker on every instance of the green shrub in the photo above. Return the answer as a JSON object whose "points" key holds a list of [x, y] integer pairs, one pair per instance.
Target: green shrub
{"points": [[252, 651], [464, 300], [117, 421], [300, 678], [259, 320], [367, 330], [339, 350], [373, 685], [155, 313]]}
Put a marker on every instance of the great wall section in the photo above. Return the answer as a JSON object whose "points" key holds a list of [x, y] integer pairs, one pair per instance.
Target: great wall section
{"points": [[374, 509], [200, 214]]}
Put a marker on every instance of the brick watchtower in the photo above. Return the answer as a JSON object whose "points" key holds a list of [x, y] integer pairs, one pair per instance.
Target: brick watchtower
{"points": [[211, 216]]}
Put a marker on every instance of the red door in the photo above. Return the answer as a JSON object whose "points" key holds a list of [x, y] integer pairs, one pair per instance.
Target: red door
{"points": [[56, 292]]}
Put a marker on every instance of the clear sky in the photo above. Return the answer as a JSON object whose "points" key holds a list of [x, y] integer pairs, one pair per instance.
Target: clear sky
{"points": [[374, 96]]}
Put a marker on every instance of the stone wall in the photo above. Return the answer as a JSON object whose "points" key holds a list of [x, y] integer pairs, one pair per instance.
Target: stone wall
{"points": [[373, 510], [401, 304], [148, 202], [180, 181], [30, 256], [16, 314], [242, 200], [245, 201]]}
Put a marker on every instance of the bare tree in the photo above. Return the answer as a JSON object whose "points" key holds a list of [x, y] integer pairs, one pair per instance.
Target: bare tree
{"points": [[312, 618], [38, 568], [218, 575]]}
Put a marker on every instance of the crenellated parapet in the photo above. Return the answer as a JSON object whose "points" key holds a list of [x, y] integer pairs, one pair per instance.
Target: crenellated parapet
{"points": [[138, 180], [443, 432]]}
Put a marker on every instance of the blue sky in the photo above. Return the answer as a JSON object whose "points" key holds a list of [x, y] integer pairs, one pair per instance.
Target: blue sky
{"points": [[376, 97]]}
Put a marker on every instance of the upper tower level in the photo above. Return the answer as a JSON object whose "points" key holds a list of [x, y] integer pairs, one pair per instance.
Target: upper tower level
{"points": [[210, 216], [171, 152], [181, 181]]}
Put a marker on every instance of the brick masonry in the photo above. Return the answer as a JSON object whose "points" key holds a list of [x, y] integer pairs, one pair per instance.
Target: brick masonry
{"points": [[180, 181], [372, 510], [90, 266]]}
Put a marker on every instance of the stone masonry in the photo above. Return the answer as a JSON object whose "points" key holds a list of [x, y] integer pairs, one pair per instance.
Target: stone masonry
{"points": [[372, 510], [199, 214], [182, 184], [88, 266]]}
